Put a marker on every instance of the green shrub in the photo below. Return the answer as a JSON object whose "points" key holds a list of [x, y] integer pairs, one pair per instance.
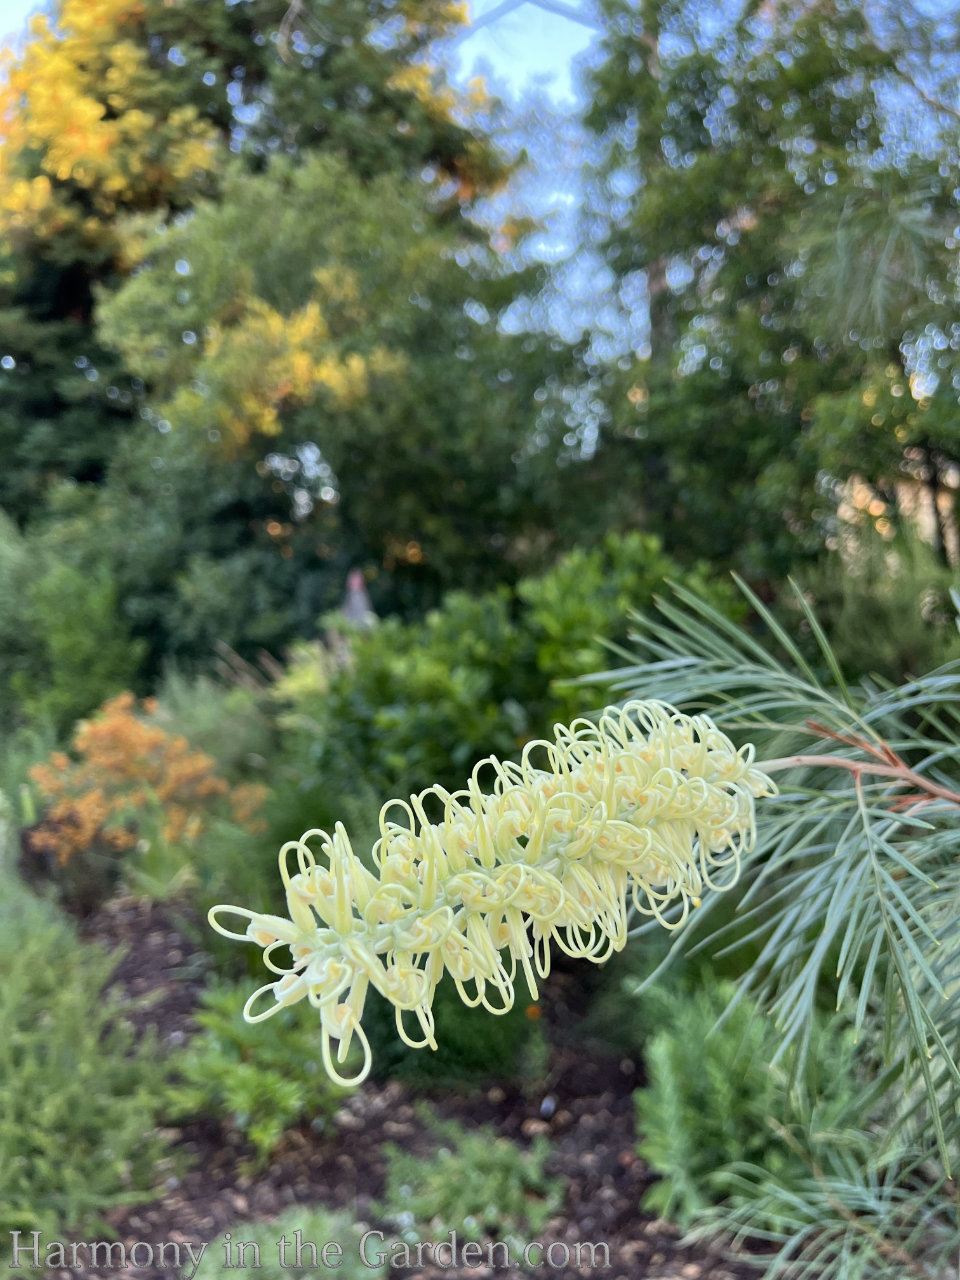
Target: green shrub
{"points": [[317, 1226], [259, 1078], [419, 703], [477, 1184], [715, 1100], [88, 651], [581, 606], [64, 646], [80, 1099]]}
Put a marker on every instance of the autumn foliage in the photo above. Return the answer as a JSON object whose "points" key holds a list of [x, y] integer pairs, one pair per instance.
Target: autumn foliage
{"points": [[128, 766]]}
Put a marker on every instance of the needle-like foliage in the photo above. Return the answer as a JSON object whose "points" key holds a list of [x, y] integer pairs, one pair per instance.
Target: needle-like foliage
{"points": [[853, 1217], [852, 892]]}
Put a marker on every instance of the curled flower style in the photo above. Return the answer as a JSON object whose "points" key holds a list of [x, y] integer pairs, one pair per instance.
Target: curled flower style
{"points": [[644, 809]]}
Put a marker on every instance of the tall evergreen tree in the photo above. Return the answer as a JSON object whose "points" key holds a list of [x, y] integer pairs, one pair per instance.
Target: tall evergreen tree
{"points": [[795, 227]]}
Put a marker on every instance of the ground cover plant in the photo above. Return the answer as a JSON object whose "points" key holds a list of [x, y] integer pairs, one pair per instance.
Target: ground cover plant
{"points": [[293, 1245], [479, 1185], [238, 1073], [77, 1078]]}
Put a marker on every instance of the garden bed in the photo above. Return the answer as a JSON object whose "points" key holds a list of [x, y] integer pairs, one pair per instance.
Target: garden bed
{"points": [[583, 1106]]}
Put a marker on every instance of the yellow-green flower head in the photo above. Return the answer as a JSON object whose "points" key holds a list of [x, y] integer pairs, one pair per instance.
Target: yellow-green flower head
{"points": [[643, 810]]}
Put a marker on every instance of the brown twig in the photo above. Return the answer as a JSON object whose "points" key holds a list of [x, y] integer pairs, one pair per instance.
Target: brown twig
{"points": [[881, 752], [899, 771]]}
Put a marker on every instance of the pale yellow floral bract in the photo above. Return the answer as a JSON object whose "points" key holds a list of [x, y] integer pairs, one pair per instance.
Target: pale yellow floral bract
{"points": [[646, 808]]}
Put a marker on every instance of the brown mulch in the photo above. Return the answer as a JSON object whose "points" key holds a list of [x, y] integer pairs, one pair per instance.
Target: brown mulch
{"points": [[584, 1107], [161, 972]]}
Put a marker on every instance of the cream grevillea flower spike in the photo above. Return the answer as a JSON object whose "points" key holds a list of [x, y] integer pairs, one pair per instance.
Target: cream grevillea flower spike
{"points": [[648, 807]]}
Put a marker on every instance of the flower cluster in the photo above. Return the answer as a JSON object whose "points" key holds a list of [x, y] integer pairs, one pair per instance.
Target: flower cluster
{"points": [[646, 808]]}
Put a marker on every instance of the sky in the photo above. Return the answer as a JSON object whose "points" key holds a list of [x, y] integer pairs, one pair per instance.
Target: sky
{"points": [[527, 44], [13, 16]]}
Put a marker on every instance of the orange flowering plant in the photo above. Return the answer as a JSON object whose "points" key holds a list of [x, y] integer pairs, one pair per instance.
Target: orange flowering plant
{"points": [[129, 769]]}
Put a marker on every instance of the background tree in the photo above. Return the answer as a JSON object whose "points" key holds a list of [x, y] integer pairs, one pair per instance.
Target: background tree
{"points": [[348, 376], [799, 259], [121, 106], [122, 117]]}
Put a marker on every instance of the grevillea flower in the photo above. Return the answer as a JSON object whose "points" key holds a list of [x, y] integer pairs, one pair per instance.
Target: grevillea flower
{"points": [[644, 809]]}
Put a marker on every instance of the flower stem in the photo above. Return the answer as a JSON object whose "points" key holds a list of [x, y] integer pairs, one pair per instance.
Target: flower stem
{"points": [[901, 772]]}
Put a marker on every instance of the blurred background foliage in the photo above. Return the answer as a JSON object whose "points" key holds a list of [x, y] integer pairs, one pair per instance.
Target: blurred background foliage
{"points": [[349, 415]]}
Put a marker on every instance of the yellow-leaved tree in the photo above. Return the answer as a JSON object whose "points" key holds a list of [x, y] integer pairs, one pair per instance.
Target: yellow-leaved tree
{"points": [[91, 126]]}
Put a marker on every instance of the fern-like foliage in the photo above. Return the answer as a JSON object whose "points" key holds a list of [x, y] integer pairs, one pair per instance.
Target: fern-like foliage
{"points": [[716, 1102], [81, 1096]]}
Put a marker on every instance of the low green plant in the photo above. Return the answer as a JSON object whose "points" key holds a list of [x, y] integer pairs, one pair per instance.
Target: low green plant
{"points": [[478, 1184], [6, 834], [715, 1097], [257, 1245], [81, 1098], [260, 1079]]}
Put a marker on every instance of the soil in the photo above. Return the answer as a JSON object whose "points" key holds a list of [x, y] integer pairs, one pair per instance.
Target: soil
{"points": [[583, 1106]]}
